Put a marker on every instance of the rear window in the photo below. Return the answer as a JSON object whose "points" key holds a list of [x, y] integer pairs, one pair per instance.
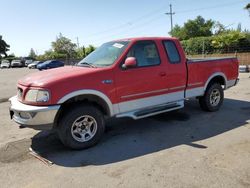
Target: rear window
{"points": [[172, 52]]}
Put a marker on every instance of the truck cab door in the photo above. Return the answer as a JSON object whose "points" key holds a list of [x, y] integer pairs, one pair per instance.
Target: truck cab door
{"points": [[145, 84], [175, 60]]}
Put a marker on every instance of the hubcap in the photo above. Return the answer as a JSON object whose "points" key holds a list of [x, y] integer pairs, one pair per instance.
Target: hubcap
{"points": [[215, 97], [84, 128]]}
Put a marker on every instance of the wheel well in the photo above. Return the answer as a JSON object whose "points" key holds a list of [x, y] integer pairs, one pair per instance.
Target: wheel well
{"points": [[217, 79], [81, 100]]}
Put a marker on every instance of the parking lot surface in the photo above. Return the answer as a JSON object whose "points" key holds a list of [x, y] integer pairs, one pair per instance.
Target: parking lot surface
{"points": [[189, 148]]}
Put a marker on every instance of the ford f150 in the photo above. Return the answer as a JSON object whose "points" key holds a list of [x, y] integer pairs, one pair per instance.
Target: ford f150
{"points": [[137, 78]]}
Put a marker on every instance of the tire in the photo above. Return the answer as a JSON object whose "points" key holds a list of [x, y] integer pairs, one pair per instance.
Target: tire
{"points": [[87, 120], [213, 98]]}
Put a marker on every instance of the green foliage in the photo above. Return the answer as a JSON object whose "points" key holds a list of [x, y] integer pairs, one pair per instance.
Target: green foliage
{"points": [[4, 47], [227, 42], [32, 54], [50, 54], [199, 27], [64, 49], [219, 28], [63, 46], [197, 45], [81, 52], [11, 57], [89, 49], [247, 6], [231, 41]]}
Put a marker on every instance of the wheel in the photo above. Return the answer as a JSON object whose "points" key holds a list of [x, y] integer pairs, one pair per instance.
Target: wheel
{"points": [[213, 98], [81, 127]]}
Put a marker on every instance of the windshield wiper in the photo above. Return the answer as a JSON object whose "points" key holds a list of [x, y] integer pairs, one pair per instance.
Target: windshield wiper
{"points": [[89, 64]]}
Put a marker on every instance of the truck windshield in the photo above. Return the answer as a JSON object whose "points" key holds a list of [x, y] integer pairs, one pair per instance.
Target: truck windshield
{"points": [[105, 55]]}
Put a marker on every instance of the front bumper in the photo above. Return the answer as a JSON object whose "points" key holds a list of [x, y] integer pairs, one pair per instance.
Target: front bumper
{"points": [[32, 116]]}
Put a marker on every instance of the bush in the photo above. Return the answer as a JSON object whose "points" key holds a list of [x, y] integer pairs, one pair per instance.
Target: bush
{"points": [[197, 45], [228, 42]]}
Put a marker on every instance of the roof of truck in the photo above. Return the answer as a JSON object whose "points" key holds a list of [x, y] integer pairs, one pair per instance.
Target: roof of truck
{"points": [[145, 38]]}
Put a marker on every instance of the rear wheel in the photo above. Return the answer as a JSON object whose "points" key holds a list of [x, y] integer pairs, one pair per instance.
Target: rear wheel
{"points": [[82, 127], [213, 98]]}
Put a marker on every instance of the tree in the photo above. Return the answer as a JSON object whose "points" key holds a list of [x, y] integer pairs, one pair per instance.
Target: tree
{"points": [[89, 49], [199, 27], [247, 7], [4, 47], [32, 54], [178, 32], [228, 41], [63, 48], [81, 52], [219, 28], [63, 45]]}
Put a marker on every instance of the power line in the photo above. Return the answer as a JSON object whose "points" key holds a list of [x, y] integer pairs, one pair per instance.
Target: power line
{"points": [[138, 21], [128, 23], [133, 27], [145, 16]]}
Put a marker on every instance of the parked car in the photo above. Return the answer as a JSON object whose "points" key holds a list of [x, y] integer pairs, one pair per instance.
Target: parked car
{"points": [[5, 64], [27, 62], [244, 68], [16, 63], [50, 64], [34, 64], [136, 78]]}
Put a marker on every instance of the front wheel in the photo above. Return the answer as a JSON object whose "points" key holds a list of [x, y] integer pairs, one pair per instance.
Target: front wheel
{"points": [[213, 98], [82, 127]]}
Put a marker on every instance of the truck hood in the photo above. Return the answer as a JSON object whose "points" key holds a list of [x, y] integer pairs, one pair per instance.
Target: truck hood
{"points": [[48, 77]]}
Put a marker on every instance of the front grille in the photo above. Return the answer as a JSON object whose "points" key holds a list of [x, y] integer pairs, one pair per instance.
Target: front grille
{"points": [[19, 93]]}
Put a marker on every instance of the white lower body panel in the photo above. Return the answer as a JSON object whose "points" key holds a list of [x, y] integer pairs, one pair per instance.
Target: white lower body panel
{"points": [[150, 101]]}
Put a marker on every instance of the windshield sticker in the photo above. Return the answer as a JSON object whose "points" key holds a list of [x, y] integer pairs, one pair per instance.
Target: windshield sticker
{"points": [[117, 45]]}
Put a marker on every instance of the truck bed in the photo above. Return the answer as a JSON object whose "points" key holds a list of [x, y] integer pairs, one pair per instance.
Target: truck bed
{"points": [[200, 71]]}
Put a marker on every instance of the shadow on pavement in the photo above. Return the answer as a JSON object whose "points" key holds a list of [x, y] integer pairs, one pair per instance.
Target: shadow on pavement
{"points": [[126, 139]]}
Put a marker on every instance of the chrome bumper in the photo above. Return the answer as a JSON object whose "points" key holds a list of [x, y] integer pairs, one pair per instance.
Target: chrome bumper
{"points": [[32, 116]]}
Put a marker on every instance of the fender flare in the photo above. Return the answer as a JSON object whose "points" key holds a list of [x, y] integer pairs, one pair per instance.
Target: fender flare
{"points": [[213, 76], [88, 92]]}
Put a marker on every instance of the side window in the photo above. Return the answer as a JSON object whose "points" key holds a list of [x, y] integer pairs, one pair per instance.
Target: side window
{"points": [[146, 53], [172, 52]]}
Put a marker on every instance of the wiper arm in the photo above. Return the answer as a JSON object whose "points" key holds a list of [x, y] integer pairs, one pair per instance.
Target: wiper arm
{"points": [[89, 64]]}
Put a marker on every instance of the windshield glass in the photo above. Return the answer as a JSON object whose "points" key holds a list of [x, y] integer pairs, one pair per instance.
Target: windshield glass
{"points": [[47, 62], [105, 55]]}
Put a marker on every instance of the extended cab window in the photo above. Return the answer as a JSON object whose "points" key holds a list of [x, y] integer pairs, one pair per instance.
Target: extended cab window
{"points": [[172, 52], [146, 53]]}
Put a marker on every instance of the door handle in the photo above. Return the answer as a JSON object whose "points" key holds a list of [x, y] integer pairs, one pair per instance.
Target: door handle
{"points": [[162, 74]]}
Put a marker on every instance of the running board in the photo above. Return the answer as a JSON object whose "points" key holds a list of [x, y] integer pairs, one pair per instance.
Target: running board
{"points": [[138, 114]]}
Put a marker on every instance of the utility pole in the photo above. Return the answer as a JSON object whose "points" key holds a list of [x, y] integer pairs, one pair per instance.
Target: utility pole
{"points": [[171, 13]]}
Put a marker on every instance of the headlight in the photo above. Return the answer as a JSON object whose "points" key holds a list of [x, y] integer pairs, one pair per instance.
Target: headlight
{"points": [[35, 95]]}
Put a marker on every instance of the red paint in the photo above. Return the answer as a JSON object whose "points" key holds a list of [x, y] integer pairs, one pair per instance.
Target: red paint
{"points": [[62, 81]]}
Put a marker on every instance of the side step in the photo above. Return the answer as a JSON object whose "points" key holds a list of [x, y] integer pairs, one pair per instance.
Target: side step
{"points": [[142, 113]]}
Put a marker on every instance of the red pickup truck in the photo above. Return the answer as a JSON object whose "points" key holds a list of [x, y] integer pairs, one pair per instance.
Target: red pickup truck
{"points": [[137, 78]]}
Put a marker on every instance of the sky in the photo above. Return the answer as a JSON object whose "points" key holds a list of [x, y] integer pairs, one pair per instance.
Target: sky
{"points": [[27, 24]]}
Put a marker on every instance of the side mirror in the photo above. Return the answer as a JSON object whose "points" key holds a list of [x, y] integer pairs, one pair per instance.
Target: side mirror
{"points": [[130, 62]]}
